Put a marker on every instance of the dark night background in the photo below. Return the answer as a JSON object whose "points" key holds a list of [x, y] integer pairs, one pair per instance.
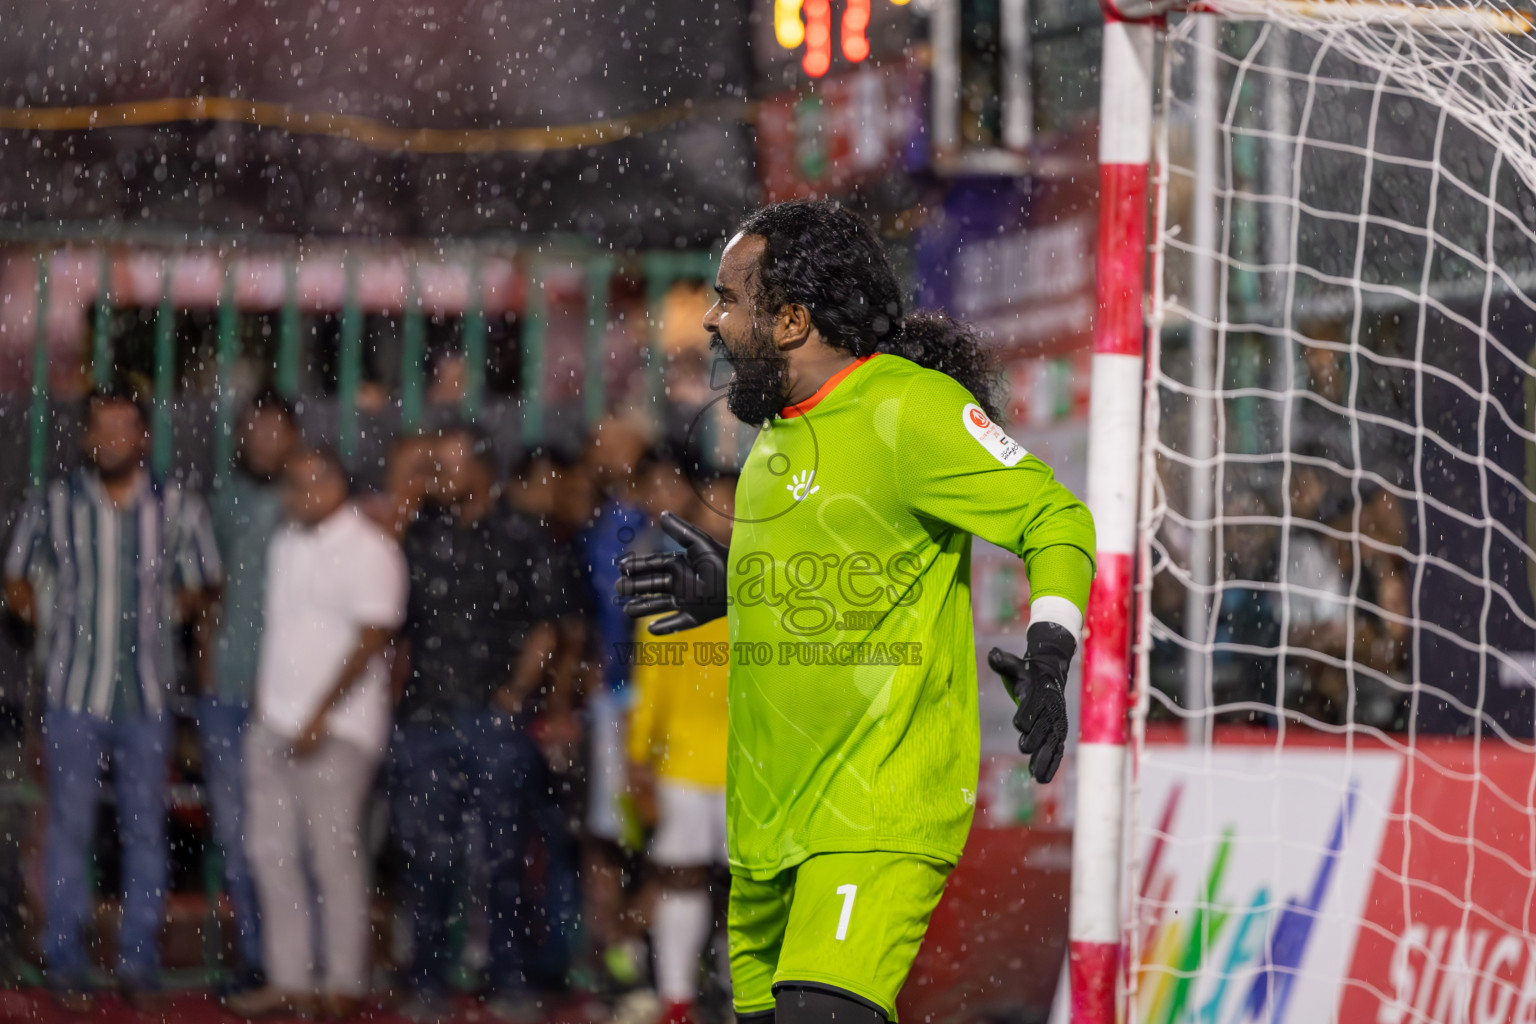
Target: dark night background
{"points": [[471, 65]]}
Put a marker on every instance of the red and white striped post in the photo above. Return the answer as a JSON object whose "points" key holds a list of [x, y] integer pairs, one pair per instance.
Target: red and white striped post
{"points": [[1114, 432]]}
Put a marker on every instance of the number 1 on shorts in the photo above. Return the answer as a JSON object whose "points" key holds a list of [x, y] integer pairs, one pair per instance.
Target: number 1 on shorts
{"points": [[847, 892]]}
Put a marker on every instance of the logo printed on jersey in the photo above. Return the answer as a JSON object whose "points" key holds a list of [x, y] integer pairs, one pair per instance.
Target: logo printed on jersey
{"points": [[991, 437], [801, 484]]}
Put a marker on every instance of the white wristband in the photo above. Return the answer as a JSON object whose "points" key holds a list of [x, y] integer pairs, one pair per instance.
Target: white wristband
{"points": [[1060, 611]]}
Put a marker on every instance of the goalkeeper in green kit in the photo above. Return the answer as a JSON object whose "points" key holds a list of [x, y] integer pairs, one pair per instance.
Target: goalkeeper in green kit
{"points": [[854, 739]]}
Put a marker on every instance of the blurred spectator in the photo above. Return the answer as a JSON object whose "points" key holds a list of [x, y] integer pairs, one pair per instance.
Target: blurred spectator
{"points": [[1351, 619], [1350, 457], [536, 481], [127, 555], [614, 450], [481, 636], [553, 489], [1320, 416], [550, 488], [406, 473], [677, 771], [247, 509], [1316, 591], [1383, 644], [372, 397], [448, 381], [336, 591], [575, 506], [1341, 380], [1247, 623], [663, 482]]}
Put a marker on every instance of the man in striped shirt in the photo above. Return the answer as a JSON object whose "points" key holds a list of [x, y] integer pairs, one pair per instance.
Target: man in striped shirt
{"points": [[125, 557]]}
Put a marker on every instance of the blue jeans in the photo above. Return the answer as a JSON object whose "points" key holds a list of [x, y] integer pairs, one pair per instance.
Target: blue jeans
{"points": [[75, 744], [483, 766], [221, 725]]}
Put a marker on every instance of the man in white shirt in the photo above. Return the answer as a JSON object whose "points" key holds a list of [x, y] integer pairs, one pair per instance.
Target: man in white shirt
{"points": [[336, 591]]}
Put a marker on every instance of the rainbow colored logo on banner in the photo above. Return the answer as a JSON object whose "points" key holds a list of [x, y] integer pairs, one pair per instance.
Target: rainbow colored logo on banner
{"points": [[1254, 950]]}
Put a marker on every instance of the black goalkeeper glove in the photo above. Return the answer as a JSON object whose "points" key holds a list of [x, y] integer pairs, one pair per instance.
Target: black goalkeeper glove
{"points": [[689, 583], [1038, 683]]}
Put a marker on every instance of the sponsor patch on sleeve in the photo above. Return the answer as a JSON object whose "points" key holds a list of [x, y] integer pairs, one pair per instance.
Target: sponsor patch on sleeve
{"points": [[991, 437]]}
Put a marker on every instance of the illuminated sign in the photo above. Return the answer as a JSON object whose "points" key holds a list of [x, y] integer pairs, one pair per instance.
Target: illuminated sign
{"points": [[787, 26], [855, 21], [810, 22], [818, 37]]}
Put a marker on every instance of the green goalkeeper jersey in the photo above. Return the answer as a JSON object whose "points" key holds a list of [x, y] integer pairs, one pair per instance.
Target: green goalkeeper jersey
{"points": [[853, 719]]}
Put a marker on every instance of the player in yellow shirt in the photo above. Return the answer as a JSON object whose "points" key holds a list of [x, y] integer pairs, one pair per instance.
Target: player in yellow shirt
{"points": [[677, 726], [677, 737]]}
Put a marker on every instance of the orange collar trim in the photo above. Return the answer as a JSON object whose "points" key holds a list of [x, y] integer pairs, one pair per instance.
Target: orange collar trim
{"points": [[801, 408]]}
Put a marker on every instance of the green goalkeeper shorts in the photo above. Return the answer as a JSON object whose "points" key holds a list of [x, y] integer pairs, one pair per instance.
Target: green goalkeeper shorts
{"points": [[852, 921]]}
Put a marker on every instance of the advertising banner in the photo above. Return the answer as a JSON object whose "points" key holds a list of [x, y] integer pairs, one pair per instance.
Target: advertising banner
{"points": [[1449, 928], [1253, 868], [1014, 258], [1312, 883], [842, 132]]}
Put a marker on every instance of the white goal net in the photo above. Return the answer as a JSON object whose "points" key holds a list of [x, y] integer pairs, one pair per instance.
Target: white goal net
{"points": [[1335, 791]]}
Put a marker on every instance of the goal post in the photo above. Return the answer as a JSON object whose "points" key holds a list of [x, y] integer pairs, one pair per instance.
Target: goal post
{"points": [[1115, 402], [1306, 772]]}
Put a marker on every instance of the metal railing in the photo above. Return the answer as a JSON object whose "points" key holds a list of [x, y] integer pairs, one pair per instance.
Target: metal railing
{"points": [[51, 422], [516, 271]]}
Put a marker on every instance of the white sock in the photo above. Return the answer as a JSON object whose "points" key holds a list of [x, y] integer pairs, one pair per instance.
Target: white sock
{"points": [[680, 930]]}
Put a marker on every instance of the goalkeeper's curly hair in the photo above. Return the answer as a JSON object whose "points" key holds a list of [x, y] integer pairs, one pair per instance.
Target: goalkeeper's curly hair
{"points": [[824, 257]]}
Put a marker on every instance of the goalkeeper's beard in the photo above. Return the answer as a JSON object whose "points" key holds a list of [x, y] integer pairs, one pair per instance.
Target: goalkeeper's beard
{"points": [[759, 379]]}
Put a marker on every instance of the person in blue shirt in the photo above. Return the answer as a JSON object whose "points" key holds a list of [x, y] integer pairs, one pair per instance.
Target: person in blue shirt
{"points": [[615, 448], [247, 509]]}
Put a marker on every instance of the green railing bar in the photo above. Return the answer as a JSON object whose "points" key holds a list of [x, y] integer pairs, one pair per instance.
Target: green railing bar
{"points": [[288, 341], [349, 369], [412, 354], [165, 373], [39, 412], [474, 345], [660, 273], [703, 265], [534, 326], [101, 341], [594, 381], [224, 356]]}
